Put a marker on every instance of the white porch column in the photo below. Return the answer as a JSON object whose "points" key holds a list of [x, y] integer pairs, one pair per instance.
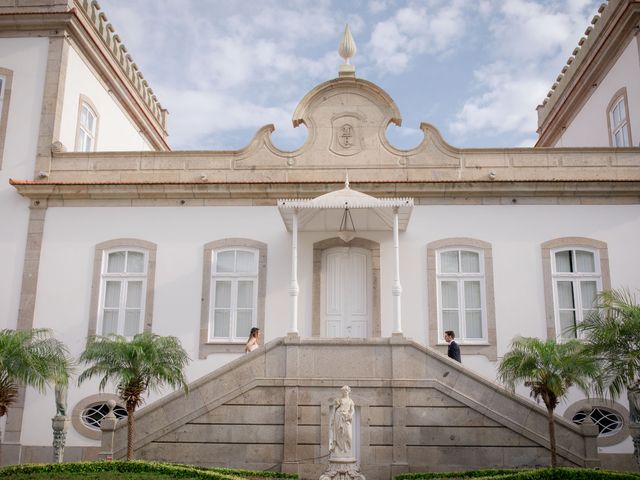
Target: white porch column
{"points": [[294, 289], [396, 290]]}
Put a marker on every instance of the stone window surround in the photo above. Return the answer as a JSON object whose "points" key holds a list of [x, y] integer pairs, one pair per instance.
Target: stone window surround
{"points": [[621, 93], [80, 407], [207, 347], [569, 243], [4, 114], [123, 243], [589, 403], [87, 101], [318, 249], [489, 350]]}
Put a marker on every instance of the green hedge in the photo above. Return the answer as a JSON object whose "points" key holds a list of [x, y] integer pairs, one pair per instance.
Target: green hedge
{"points": [[467, 474], [525, 474], [175, 470], [242, 473]]}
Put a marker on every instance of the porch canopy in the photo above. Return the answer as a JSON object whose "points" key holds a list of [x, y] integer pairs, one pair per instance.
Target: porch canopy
{"points": [[324, 213], [345, 211]]}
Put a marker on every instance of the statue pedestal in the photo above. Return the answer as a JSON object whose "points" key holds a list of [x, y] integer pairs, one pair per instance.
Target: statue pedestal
{"points": [[634, 430], [60, 426], [342, 469]]}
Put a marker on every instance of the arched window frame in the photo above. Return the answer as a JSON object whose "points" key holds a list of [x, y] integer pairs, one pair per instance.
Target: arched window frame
{"points": [[208, 343], [99, 281], [486, 346], [83, 131], [551, 277], [619, 130]]}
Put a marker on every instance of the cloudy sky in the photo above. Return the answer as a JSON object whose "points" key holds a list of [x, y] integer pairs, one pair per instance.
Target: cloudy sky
{"points": [[476, 69]]}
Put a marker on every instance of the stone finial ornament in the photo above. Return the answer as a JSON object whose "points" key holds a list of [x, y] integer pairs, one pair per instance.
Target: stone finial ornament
{"points": [[347, 49]]}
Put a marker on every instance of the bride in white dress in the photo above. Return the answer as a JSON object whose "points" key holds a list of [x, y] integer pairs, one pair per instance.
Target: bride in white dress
{"points": [[252, 342]]}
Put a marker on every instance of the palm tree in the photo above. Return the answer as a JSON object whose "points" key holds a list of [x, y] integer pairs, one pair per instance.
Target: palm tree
{"points": [[146, 362], [612, 335], [549, 369], [30, 358]]}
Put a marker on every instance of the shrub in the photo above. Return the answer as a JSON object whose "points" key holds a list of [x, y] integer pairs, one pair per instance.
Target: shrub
{"points": [[174, 470], [525, 474]]}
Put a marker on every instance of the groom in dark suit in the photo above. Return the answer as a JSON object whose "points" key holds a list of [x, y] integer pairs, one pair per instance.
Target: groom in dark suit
{"points": [[453, 351]]}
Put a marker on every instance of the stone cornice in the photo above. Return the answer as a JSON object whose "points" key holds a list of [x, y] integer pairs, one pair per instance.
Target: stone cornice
{"points": [[259, 174], [87, 28], [595, 54], [262, 173], [435, 161], [266, 193]]}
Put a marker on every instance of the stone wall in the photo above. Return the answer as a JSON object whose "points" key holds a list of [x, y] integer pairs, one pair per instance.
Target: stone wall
{"points": [[416, 410]]}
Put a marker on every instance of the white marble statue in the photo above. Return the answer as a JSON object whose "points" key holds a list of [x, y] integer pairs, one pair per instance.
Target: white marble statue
{"points": [[340, 443]]}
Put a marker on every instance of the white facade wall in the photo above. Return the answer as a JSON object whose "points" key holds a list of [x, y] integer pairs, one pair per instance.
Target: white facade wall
{"points": [[27, 58], [514, 231], [116, 131], [589, 128]]}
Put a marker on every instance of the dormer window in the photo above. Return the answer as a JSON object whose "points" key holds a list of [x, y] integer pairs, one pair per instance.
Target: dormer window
{"points": [[87, 127], [618, 119]]}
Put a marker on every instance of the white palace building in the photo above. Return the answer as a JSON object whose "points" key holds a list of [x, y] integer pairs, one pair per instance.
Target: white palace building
{"points": [[104, 229]]}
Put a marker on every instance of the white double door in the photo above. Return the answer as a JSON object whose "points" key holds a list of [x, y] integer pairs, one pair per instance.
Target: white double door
{"points": [[346, 292]]}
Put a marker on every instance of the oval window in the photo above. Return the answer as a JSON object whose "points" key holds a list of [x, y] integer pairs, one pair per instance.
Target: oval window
{"points": [[94, 413]]}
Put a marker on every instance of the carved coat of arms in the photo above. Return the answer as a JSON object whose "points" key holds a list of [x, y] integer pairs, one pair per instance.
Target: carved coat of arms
{"points": [[346, 135]]}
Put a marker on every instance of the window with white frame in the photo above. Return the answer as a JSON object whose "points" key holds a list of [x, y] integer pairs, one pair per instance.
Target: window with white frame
{"points": [[576, 282], [6, 77], [123, 288], [461, 304], [87, 128], [619, 123], [234, 294]]}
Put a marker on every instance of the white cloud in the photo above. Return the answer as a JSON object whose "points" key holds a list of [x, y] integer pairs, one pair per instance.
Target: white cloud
{"points": [[211, 116], [525, 30], [527, 142], [507, 103], [530, 39], [414, 30], [378, 6]]}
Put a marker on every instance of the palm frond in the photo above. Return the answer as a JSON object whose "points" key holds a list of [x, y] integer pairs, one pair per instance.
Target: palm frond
{"points": [[548, 368], [34, 358], [612, 335]]}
